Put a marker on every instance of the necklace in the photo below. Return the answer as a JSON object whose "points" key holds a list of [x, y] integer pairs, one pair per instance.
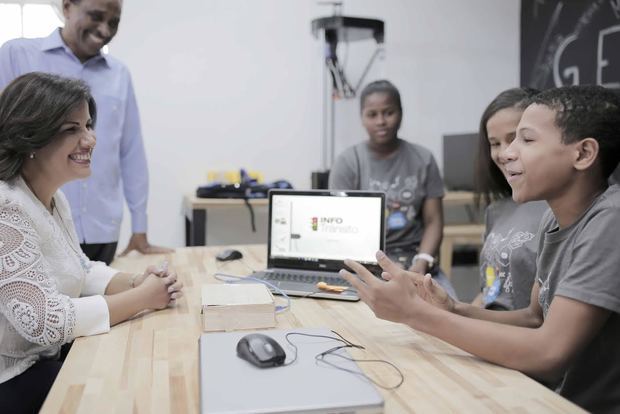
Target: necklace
{"points": [[49, 209]]}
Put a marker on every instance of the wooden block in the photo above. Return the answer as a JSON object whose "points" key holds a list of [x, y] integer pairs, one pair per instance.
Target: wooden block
{"points": [[228, 307]]}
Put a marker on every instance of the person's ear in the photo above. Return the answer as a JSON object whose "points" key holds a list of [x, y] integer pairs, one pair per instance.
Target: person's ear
{"points": [[586, 153], [65, 7]]}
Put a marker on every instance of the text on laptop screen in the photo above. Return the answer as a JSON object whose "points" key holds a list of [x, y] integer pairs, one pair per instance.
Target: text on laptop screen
{"points": [[324, 227]]}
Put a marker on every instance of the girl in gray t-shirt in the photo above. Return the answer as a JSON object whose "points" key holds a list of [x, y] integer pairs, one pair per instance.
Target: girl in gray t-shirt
{"points": [[508, 256], [406, 172]]}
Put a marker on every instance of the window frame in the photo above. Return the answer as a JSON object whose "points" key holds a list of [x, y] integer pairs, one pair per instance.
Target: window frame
{"points": [[54, 4]]}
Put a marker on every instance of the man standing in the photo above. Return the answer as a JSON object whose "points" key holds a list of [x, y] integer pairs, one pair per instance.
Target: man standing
{"points": [[119, 162]]}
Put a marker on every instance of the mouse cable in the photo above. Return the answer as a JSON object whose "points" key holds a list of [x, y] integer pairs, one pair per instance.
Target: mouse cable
{"points": [[347, 344], [226, 278], [307, 295], [252, 219]]}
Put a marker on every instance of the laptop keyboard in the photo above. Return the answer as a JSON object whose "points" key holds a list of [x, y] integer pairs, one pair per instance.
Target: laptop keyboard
{"points": [[304, 278]]}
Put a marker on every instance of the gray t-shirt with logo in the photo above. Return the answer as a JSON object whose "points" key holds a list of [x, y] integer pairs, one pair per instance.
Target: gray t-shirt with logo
{"points": [[508, 256], [582, 262], [408, 177]]}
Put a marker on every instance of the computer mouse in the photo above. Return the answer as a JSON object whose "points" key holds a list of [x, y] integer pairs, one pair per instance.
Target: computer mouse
{"points": [[261, 350], [228, 254]]}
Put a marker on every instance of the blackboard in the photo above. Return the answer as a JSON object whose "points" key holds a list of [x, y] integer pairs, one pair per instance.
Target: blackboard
{"points": [[573, 42]]}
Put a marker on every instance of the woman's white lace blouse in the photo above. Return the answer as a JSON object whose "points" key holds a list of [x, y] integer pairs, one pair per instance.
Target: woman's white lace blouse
{"points": [[50, 293]]}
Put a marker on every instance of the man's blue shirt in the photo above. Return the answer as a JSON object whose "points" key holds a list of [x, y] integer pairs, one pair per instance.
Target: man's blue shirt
{"points": [[119, 161]]}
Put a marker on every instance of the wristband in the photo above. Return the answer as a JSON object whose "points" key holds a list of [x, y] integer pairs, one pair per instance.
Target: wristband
{"points": [[426, 257]]}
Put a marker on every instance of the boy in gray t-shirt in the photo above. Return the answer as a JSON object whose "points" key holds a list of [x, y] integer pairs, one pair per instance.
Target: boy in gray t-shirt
{"points": [[566, 146], [582, 262]]}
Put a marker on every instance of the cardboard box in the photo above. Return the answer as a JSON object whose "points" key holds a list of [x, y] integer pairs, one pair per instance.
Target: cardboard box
{"points": [[228, 307]]}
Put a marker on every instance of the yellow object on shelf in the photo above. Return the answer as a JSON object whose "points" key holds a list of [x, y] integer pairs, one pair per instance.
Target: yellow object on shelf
{"points": [[232, 176]]}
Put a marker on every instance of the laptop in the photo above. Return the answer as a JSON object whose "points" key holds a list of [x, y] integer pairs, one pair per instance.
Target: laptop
{"points": [[312, 232], [229, 384]]}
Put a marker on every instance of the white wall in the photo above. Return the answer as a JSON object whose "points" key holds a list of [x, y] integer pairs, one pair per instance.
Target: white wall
{"points": [[224, 84]]}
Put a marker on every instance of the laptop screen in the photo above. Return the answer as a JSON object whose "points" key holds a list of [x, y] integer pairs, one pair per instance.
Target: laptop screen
{"points": [[319, 229]]}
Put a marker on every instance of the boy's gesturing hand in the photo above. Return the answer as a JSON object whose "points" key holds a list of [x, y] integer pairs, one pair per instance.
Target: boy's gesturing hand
{"points": [[399, 296], [394, 298], [431, 292]]}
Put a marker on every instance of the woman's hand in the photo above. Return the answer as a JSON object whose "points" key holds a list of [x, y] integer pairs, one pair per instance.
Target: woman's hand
{"points": [[155, 292], [161, 271], [174, 288]]}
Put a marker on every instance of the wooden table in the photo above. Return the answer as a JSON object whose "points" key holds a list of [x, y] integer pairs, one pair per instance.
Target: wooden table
{"points": [[150, 364]]}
